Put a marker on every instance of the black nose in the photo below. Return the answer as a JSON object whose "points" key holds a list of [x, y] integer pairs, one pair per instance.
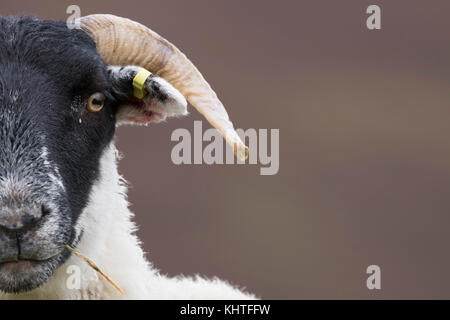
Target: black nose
{"points": [[20, 218]]}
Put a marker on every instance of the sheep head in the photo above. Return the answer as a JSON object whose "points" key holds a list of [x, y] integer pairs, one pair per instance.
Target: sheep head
{"points": [[62, 93]]}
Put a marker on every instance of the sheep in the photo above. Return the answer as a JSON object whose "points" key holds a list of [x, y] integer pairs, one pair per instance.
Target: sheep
{"points": [[62, 93]]}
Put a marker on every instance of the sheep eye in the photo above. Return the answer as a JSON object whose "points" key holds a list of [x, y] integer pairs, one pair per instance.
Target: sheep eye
{"points": [[96, 102]]}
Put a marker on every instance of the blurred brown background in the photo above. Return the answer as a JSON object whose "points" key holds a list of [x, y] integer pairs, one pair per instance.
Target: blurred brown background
{"points": [[364, 119]]}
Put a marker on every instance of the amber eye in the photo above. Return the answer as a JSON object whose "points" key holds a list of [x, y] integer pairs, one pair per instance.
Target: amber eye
{"points": [[96, 102]]}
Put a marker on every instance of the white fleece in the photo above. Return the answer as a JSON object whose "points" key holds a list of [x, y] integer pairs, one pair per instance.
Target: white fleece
{"points": [[109, 240]]}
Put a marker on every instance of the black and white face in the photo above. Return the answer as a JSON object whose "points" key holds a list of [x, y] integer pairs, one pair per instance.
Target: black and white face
{"points": [[59, 106]]}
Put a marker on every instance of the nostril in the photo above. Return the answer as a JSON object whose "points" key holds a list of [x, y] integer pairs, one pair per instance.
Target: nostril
{"points": [[45, 210], [21, 218]]}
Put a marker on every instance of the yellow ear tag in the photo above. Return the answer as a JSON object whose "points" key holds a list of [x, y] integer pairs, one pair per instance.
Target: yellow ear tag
{"points": [[139, 83]]}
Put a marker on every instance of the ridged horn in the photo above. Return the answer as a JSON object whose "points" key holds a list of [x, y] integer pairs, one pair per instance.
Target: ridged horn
{"points": [[121, 41]]}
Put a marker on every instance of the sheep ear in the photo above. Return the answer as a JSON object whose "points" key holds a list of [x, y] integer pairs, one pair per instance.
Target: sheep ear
{"points": [[161, 99]]}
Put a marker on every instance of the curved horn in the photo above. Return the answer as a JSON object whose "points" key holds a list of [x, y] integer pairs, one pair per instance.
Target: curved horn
{"points": [[122, 41]]}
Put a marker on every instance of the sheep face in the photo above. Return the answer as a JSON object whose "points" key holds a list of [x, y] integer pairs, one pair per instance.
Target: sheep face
{"points": [[59, 106]]}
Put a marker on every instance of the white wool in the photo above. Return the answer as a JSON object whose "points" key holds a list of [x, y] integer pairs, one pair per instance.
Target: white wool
{"points": [[108, 239]]}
